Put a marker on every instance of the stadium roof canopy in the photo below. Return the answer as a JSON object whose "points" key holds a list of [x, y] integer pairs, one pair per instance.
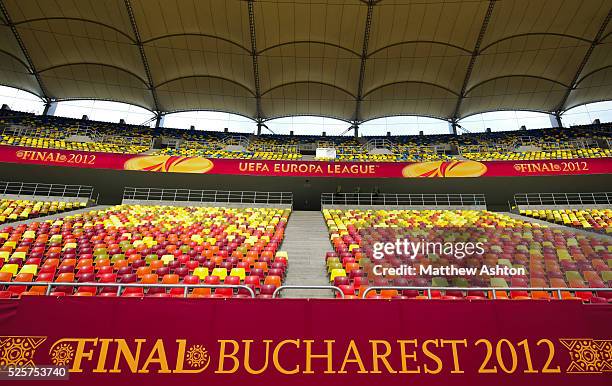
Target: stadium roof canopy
{"points": [[349, 59]]}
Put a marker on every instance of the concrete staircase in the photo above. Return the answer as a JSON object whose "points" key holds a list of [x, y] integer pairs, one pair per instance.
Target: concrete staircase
{"points": [[306, 241]]}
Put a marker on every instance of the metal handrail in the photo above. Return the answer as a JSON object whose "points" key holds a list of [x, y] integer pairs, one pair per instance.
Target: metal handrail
{"points": [[121, 286], [572, 144], [403, 199], [239, 140], [46, 190], [559, 199], [484, 148], [379, 143], [126, 140], [278, 290], [262, 147], [349, 149], [45, 132], [420, 149], [216, 196], [428, 290]]}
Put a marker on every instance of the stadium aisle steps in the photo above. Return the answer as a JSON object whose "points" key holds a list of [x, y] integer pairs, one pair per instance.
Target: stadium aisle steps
{"points": [[306, 240]]}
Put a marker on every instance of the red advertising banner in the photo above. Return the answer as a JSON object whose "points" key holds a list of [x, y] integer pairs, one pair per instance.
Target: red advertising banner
{"points": [[299, 342], [200, 165]]}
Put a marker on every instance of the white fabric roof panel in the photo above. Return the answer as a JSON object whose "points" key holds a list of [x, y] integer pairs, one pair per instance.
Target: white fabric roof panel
{"points": [[350, 59], [14, 68]]}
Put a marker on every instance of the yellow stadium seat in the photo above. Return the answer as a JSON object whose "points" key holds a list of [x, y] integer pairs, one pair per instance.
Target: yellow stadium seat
{"points": [[221, 273], [201, 272], [240, 272], [12, 268], [29, 268], [335, 273], [167, 258], [19, 255]]}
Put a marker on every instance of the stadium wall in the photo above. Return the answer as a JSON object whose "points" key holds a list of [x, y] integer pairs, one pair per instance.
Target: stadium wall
{"points": [[307, 191]]}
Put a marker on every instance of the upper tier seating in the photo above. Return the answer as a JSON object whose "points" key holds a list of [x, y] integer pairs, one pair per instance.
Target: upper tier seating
{"points": [[149, 245], [539, 155], [597, 220], [554, 143], [48, 132], [591, 141], [50, 143], [17, 210], [211, 153], [551, 257], [213, 145]]}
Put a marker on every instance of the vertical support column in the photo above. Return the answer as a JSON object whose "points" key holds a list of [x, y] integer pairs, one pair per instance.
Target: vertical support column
{"points": [[452, 127], [555, 120], [159, 120], [259, 125], [356, 129], [50, 107]]}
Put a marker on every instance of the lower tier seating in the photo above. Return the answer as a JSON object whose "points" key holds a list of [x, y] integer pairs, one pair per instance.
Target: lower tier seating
{"points": [[547, 257], [130, 244], [597, 220], [17, 210]]}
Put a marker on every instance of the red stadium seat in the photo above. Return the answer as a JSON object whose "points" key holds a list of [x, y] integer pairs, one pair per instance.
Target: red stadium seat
{"points": [[255, 281]]}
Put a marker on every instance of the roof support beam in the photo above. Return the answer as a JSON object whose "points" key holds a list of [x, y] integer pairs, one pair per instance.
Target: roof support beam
{"points": [[364, 57], [143, 56], [575, 80], [25, 52], [254, 55], [475, 53]]}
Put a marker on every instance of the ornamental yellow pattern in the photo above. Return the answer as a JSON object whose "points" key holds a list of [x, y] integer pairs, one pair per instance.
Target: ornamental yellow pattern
{"points": [[589, 355], [18, 351]]}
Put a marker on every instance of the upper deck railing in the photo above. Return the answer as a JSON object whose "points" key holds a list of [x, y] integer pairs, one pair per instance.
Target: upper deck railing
{"points": [[208, 196], [46, 190], [562, 199], [406, 200], [286, 149], [379, 143], [485, 149], [236, 140]]}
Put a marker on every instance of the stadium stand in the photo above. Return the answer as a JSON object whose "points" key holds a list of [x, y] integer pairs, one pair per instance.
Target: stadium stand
{"points": [[597, 220], [130, 244], [554, 143], [22, 201], [15, 210], [48, 132], [557, 258], [585, 211], [214, 145], [19, 129], [450, 275]]}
